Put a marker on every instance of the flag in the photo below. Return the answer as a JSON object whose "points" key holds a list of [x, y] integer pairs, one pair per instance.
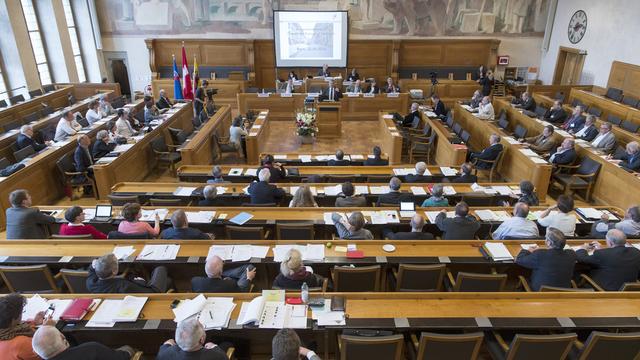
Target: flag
{"points": [[187, 90], [177, 87], [196, 75]]}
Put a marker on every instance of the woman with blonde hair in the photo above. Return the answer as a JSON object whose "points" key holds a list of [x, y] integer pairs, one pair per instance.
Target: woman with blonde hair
{"points": [[293, 273], [303, 198]]}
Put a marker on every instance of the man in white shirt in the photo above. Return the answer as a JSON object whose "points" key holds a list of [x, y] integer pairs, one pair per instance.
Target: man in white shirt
{"points": [[66, 127], [485, 109], [123, 127], [518, 226], [561, 219], [606, 140], [105, 107], [289, 88], [93, 114], [236, 131]]}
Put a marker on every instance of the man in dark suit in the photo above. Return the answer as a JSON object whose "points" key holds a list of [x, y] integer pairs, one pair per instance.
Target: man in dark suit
{"points": [[490, 153], [26, 139], [347, 197], [339, 161], [588, 131], [103, 279], [614, 265], [373, 87], [461, 227], [234, 280], [414, 113], [376, 160], [417, 223], [324, 71], [390, 87], [631, 157], [438, 106], [83, 160], [394, 196], [23, 221], [552, 266], [565, 154], [180, 229], [525, 102], [190, 343], [163, 101], [556, 115], [277, 172], [264, 193], [331, 93], [575, 121], [467, 176], [49, 343], [419, 176], [102, 146], [198, 98], [353, 76], [210, 193]]}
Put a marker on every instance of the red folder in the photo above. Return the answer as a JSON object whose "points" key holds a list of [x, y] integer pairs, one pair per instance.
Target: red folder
{"points": [[355, 254], [77, 309]]}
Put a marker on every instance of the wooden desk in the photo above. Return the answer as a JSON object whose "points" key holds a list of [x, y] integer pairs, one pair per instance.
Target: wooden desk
{"points": [[607, 106], [56, 99], [201, 147], [319, 158], [516, 166], [445, 151], [391, 138], [139, 160], [311, 85], [227, 89], [257, 137]]}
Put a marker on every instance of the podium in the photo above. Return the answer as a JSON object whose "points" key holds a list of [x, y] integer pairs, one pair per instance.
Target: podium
{"points": [[329, 119]]}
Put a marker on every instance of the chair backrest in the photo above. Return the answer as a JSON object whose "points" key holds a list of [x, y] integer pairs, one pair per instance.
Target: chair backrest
{"points": [[603, 345], [478, 199], [4, 163], [589, 166], [457, 128], [16, 99], [520, 131], [159, 145], [340, 178], [465, 136], [359, 279], [76, 280], [371, 347], [119, 200], [29, 279], [71, 237], [541, 346], [503, 123], [595, 111], [48, 88], [614, 94], [630, 286], [121, 235], [174, 135], [615, 120], [65, 165], [118, 103], [473, 282], [541, 111], [244, 232], [546, 288], [166, 202], [416, 122], [426, 129], [197, 121], [449, 346], [34, 93], [294, 231], [24, 153], [450, 121], [627, 100], [630, 126], [34, 116], [11, 125], [576, 102], [420, 277], [46, 111], [82, 121], [559, 96], [3, 103]]}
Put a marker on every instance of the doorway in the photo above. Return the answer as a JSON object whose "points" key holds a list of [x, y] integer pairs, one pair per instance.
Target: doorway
{"points": [[569, 66], [118, 71]]}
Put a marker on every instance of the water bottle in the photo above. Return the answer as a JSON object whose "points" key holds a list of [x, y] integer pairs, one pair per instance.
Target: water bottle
{"points": [[304, 293]]}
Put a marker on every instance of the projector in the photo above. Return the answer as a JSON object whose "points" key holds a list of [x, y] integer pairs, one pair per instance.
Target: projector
{"points": [[416, 94]]}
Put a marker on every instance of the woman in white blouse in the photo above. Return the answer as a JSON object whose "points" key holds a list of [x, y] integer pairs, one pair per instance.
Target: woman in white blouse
{"points": [[123, 127], [236, 132], [561, 219]]}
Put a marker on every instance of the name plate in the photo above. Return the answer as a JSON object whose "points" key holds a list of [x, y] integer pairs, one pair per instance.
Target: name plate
{"points": [[313, 95], [353, 94], [394, 94], [263, 94], [285, 95], [369, 95]]}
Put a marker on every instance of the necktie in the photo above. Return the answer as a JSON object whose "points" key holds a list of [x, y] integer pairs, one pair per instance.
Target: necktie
{"points": [[331, 94]]}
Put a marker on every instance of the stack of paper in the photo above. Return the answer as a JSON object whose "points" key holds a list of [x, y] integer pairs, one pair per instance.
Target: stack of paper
{"points": [[305, 158], [498, 251], [310, 252], [184, 191], [357, 157], [113, 310], [476, 188], [221, 190], [189, 307], [379, 190], [89, 214], [418, 190], [590, 213], [238, 252], [202, 217], [385, 217], [447, 171], [130, 308], [251, 172], [216, 312], [333, 190], [487, 215], [123, 252], [150, 215], [502, 190], [322, 157], [159, 252], [34, 305], [431, 215], [404, 171], [449, 190], [105, 160], [361, 190], [235, 172]]}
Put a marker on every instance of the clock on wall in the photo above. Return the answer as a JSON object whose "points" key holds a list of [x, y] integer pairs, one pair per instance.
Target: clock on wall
{"points": [[577, 26]]}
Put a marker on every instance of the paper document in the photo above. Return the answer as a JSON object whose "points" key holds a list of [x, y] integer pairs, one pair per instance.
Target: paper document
{"points": [[235, 172], [305, 158], [333, 190], [216, 312], [590, 213], [448, 171], [122, 252], [279, 157], [331, 318], [201, 217], [150, 215], [251, 172], [310, 252], [159, 252], [502, 190], [103, 317], [189, 307], [34, 305], [357, 157], [130, 308], [418, 190], [431, 215], [406, 171], [361, 189], [449, 190], [184, 191], [378, 190], [498, 251]]}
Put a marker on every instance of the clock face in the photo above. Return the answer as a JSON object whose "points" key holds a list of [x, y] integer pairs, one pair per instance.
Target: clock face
{"points": [[577, 26]]}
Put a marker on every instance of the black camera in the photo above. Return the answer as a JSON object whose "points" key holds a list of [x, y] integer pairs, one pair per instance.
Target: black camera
{"points": [[211, 92]]}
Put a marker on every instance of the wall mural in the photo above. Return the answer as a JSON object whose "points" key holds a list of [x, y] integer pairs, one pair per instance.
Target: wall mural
{"points": [[368, 18]]}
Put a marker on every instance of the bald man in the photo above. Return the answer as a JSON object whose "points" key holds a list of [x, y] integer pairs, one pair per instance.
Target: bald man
{"points": [[518, 226], [49, 343], [419, 176], [218, 281], [416, 233], [180, 229]]}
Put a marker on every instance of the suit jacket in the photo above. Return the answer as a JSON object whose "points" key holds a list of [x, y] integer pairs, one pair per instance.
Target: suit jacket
{"points": [[183, 234], [541, 144], [116, 285], [439, 109], [203, 284], [485, 82], [551, 267], [321, 72], [630, 162], [376, 89], [408, 119], [389, 89], [353, 77], [530, 104], [565, 158], [457, 228], [490, 153], [393, 197], [264, 193], [169, 352], [338, 163], [23, 141], [82, 159], [27, 223], [337, 94], [612, 267], [470, 179], [590, 133], [374, 162], [411, 178], [410, 235], [574, 123], [608, 143], [351, 201], [277, 175], [101, 148], [91, 351], [556, 116], [163, 103]]}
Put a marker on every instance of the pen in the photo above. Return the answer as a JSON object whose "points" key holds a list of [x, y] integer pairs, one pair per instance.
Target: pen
{"points": [[210, 315]]}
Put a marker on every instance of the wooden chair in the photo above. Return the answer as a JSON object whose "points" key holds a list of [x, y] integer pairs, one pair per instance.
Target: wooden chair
{"points": [[630, 126], [70, 176], [422, 147], [223, 146], [603, 345], [23, 153], [164, 155], [524, 284], [294, 231], [29, 279], [231, 353], [478, 199], [72, 237], [419, 277], [322, 288], [167, 202], [120, 200], [594, 110], [472, 282], [246, 233], [376, 347], [615, 120], [447, 346], [495, 164], [76, 280], [626, 99], [555, 347], [340, 178], [357, 279], [583, 178], [630, 286]]}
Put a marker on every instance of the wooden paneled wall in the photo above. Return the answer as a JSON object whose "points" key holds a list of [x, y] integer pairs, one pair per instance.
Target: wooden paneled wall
{"points": [[626, 77], [472, 52]]}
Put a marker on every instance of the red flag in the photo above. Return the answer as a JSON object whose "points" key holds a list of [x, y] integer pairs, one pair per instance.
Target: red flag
{"points": [[187, 90]]}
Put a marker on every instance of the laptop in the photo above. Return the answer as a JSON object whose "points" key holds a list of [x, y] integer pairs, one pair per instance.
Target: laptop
{"points": [[407, 209], [103, 213]]}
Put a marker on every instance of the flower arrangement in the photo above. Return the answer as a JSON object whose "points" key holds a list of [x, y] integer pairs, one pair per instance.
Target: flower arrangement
{"points": [[306, 123]]}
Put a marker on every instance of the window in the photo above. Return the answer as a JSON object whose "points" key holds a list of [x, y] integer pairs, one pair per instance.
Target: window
{"points": [[36, 41], [73, 35], [3, 87]]}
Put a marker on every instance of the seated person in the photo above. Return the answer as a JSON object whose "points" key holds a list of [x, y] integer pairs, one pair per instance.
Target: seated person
{"points": [[217, 176], [437, 198], [123, 126], [517, 226], [630, 225], [324, 72], [556, 114], [347, 197], [217, 280], [66, 127], [606, 140], [82, 160], [390, 87], [190, 344], [542, 143], [293, 273], [613, 265], [575, 121], [131, 224], [475, 99], [416, 233], [490, 153], [264, 193], [303, 198], [565, 154], [630, 160], [103, 144], [105, 106], [376, 160], [289, 88], [588, 131], [103, 279], [286, 345], [414, 113], [394, 196], [292, 76], [485, 109], [163, 101], [466, 169], [276, 169], [339, 161], [461, 227], [354, 76], [181, 229], [552, 266], [210, 194], [355, 88], [150, 112], [24, 221], [525, 102], [438, 106], [419, 176], [527, 194], [25, 138], [93, 114], [236, 132], [15, 343], [353, 228], [373, 88], [75, 226], [331, 93], [562, 219], [49, 343]]}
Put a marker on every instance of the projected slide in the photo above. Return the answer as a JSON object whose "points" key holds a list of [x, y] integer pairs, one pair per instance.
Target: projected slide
{"points": [[305, 38]]}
